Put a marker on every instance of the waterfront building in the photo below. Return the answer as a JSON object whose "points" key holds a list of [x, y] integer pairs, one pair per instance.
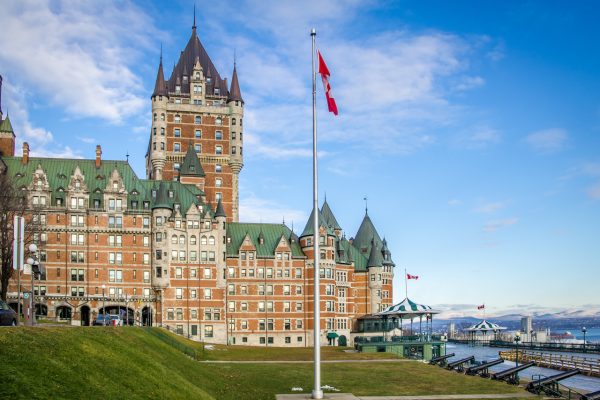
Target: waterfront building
{"points": [[169, 251], [527, 325]]}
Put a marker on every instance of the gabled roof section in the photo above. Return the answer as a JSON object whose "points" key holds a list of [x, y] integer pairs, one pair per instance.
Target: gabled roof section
{"points": [[309, 228], [234, 91], [366, 233], [191, 164], [329, 217], [160, 87], [271, 233], [194, 49], [6, 126]]}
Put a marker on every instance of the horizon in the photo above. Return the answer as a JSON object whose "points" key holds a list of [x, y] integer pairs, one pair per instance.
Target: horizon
{"points": [[481, 166]]}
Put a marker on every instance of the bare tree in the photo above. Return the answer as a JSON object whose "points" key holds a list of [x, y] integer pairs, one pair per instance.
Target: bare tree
{"points": [[13, 201]]}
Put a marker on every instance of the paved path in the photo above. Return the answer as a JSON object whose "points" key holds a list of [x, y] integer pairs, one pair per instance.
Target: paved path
{"points": [[350, 396], [385, 360]]}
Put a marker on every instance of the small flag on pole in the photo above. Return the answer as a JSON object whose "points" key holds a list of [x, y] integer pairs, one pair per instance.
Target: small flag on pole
{"points": [[324, 71], [409, 276], [481, 307]]}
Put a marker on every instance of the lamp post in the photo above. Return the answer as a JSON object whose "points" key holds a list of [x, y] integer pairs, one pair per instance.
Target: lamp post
{"points": [[103, 306], [584, 331], [35, 269], [517, 340], [531, 338]]}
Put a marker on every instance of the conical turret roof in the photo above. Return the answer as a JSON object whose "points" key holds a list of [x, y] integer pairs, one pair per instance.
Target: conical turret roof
{"points": [[160, 87], [234, 91], [220, 210], [375, 258], [309, 228], [6, 126], [162, 197], [191, 164], [366, 233], [329, 217]]}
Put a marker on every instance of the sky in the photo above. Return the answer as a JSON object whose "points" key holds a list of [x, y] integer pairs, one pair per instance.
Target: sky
{"points": [[472, 128]]}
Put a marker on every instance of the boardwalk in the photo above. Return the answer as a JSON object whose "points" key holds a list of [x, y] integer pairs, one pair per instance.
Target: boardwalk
{"points": [[587, 366]]}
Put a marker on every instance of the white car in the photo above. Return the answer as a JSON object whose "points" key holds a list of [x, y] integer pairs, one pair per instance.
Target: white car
{"points": [[115, 320]]}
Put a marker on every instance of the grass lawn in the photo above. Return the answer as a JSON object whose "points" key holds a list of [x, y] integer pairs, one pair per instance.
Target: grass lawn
{"points": [[99, 362]]}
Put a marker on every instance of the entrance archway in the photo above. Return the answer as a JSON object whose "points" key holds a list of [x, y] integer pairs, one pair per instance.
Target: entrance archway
{"points": [[63, 312], [127, 315], [147, 317], [14, 306], [41, 310], [84, 314]]}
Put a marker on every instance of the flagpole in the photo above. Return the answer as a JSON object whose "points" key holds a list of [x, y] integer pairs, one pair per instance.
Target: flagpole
{"points": [[317, 393], [405, 283]]}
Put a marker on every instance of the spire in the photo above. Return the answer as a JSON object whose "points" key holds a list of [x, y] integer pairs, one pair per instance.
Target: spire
{"points": [[160, 88], [194, 26], [191, 165], [329, 217], [220, 210], [365, 235], [375, 258], [234, 91], [5, 125], [309, 228]]}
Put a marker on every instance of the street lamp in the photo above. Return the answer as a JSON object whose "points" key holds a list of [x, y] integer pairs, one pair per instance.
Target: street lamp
{"points": [[531, 338], [36, 269], [103, 306], [517, 340], [584, 330]]}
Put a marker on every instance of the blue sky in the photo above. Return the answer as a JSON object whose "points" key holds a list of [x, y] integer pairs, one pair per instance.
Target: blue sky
{"points": [[472, 127]]}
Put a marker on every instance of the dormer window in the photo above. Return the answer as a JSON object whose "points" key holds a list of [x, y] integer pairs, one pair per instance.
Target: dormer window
{"points": [[185, 79], [153, 192], [177, 89], [115, 185], [146, 205], [208, 79], [170, 194], [217, 91], [197, 75], [192, 168], [39, 184], [77, 185], [177, 207]]}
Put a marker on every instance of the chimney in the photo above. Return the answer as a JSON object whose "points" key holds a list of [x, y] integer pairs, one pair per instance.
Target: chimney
{"points": [[25, 158], [98, 156]]}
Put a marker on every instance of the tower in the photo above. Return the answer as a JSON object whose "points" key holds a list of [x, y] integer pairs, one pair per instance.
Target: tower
{"points": [[200, 111], [7, 134]]}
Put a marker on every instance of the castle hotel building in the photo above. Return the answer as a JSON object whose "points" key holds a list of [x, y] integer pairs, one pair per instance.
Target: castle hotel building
{"points": [[169, 250]]}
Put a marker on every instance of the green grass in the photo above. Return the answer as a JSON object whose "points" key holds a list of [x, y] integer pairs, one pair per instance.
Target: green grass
{"points": [[132, 363]]}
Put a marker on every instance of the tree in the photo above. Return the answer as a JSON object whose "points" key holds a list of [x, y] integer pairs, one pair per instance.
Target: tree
{"points": [[12, 202]]}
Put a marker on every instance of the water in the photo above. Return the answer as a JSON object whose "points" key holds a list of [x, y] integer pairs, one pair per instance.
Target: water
{"points": [[592, 335], [484, 353]]}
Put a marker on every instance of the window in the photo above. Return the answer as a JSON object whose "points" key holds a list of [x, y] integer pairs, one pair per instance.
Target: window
{"points": [[218, 120], [179, 293], [219, 135], [232, 120], [218, 168], [207, 294], [176, 146], [197, 118], [198, 134], [218, 149], [192, 239], [177, 116], [232, 149], [146, 276], [218, 182], [198, 148], [208, 331]]}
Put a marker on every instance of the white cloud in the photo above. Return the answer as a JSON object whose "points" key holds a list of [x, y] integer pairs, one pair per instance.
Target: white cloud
{"points": [[479, 137], [454, 202], [548, 141], [490, 208], [78, 55], [61, 152], [86, 139], [493, 226], [256, 209]]}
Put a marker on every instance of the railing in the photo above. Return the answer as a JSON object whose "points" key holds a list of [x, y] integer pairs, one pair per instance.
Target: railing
{"points": [[550, 346], [588, 366], [168, 339], [397, 339]]}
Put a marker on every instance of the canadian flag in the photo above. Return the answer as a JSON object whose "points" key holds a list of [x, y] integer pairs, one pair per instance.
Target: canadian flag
{"points": [[324, 71], [481, 307], [409, 276]]}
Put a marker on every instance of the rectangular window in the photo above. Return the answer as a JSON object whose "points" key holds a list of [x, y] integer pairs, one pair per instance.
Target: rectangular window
{"points": [[179, 293]]}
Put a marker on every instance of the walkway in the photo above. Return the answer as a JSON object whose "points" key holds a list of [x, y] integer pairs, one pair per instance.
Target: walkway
{"points": [[350, 396], [385, 360]]}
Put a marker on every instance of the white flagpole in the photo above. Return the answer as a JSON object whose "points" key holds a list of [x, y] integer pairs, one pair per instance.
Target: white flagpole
{"points": [[317, 393], [405, 283]]}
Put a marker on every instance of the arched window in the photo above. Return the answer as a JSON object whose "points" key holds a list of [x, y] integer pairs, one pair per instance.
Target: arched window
{"points": [[193, 239], [162, 116], [232, 120], [181, 239], [154, 118], [177, 118], [162, 131], [174, 239], [211, 240], [219, 121], [218, 149], [154, 131], [203, 240], [197, 119]]}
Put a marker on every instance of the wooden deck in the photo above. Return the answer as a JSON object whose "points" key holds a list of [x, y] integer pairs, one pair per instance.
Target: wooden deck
{"points": [[587, 365]]}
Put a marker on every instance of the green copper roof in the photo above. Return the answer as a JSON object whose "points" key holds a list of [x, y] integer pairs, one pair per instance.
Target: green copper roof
{"points": [[191, 164], [375, 258], [329, 217], [6, 126], [59, 172], [366, 233], [220, 212], [236, 232], [308, 229], [162, 197]]}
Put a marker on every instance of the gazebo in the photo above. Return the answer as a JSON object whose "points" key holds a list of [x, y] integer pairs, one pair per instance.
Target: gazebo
{"points": [[421, 345], [484, 328]]}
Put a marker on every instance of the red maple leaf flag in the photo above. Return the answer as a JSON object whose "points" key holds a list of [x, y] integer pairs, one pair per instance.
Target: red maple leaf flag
{"points": [[324, 71], [409, 276], [481, 307]]}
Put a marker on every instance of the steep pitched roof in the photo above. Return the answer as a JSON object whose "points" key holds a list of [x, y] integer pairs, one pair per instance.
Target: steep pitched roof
{"points": [[329, 217], [220, 212], [162, 198], [194, 49], [191, 164], [309, 228], [271, 233], [6, 126], [160, 87], [366, 233], [234, 91], [375, 258]]}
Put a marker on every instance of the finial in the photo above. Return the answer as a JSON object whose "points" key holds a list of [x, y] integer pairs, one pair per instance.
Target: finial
{"points": [[194, 26], [366, 205], [325, 197], [127, 156], [284, 220], [161, 52], [234, 57]]}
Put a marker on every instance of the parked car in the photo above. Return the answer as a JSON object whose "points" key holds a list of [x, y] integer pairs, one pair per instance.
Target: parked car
{"points": [[8, 316], [115, 320], [102, 320]]}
